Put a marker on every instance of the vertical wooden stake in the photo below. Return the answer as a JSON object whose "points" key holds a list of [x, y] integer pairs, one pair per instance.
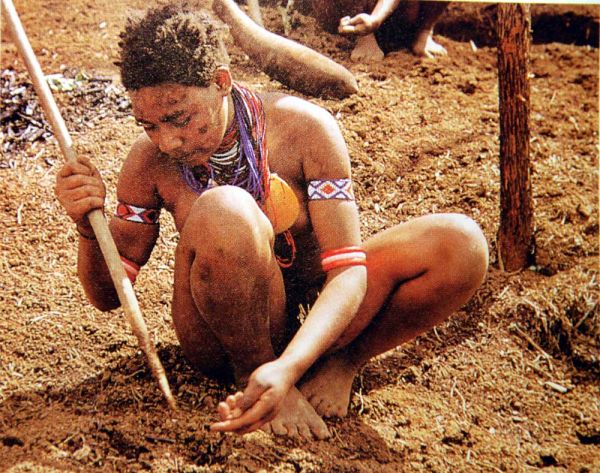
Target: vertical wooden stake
{"points": [[515, 235]]}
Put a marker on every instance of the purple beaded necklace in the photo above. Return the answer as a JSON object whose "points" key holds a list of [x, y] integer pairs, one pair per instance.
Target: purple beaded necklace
{"points": [[244, 163]]}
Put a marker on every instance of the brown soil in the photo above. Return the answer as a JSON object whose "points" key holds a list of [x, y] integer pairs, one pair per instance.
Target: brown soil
{"points": [[510, 383]]}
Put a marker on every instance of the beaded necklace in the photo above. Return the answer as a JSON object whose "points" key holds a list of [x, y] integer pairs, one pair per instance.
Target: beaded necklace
{"points": [[241, 159]]}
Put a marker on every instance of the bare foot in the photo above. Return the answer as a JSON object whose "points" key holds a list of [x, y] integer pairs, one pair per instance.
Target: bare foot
{"points": [[297, 418], [424, 45], [367, 50], [329, 389]]}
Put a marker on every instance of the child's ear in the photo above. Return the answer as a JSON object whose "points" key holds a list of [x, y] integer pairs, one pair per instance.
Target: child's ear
{"points": [[223, 80]]}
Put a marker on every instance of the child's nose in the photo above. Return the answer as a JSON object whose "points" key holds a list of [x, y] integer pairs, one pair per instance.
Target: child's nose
{"points": [[169, 141]]}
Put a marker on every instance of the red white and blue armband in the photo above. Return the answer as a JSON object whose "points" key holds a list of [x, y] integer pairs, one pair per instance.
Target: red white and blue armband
{"points": [[345, 256], [132, 269], [133, 213], [324, 189]]}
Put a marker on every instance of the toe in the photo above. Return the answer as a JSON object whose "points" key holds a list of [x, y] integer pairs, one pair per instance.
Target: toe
{"points": [[319, 429], [292, 430], [339, 409], [277, 428], [266, 428], [314, 401], [323, 408], [334, 410], [304, 431]]}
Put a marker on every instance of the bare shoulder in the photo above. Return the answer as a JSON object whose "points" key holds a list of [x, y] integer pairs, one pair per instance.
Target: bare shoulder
{"points": [[138, 177], [302, 113], [308, 131]]}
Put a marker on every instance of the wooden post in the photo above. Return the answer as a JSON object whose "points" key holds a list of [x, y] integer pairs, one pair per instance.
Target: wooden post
{"points": [[515, 235]]}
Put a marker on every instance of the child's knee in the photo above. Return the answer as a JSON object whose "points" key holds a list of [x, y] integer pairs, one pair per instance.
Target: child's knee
{"points": [[464, 247], [227, 219]]}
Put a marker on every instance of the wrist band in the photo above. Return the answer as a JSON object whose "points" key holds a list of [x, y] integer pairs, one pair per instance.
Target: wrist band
{"points": [[344, 256], [132, 269]]}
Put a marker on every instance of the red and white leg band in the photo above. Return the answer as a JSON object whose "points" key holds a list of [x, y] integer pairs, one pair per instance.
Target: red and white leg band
{"points": [[345, 256], [132, 269]]}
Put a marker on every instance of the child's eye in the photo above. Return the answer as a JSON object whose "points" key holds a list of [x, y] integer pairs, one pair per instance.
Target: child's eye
{"points": [[183, 123], [146, 126]]}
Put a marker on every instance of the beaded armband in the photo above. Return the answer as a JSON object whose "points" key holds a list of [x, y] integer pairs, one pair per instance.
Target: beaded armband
{"points": [[135, 214], [323, 189], [345, 256], [131, 269]]}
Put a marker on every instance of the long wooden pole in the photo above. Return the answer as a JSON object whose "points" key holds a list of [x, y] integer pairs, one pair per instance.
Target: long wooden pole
{"points": [[120, 280], [515, 235]]}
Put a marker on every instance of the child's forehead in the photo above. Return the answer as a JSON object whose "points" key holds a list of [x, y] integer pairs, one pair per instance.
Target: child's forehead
{"points": [[173, 94], [168, 96], [162, 95]]}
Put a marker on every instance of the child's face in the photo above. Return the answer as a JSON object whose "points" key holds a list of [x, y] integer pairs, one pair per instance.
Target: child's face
{"points": [[185, 122]]}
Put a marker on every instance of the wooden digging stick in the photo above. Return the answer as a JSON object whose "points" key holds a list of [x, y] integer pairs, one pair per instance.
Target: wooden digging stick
{"points": [[122, 283]]}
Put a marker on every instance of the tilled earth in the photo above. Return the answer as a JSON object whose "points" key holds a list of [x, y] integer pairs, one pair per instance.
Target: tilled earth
{"points": [[510, 383]]}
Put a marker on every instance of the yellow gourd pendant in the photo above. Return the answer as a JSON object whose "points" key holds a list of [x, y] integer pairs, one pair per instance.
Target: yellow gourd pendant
{"points": [[281, 207]]}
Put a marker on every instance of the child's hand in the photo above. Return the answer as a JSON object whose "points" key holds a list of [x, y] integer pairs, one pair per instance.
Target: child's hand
{"points": [[79, 189], [362, 24], [259, 403]]}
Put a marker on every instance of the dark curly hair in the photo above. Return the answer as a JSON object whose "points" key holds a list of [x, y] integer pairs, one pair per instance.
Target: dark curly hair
{"points": [[171, 43]]}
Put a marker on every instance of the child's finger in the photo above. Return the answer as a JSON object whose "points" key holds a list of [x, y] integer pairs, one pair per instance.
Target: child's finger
{"points": [[233, 401], [224, 411]]}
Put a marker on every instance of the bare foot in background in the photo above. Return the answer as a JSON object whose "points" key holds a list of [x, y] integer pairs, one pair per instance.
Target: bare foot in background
{"points": [[424, 45], [367, 50]]}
